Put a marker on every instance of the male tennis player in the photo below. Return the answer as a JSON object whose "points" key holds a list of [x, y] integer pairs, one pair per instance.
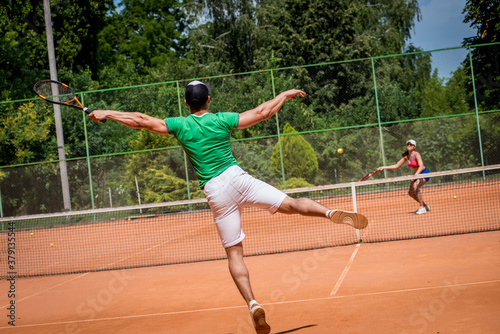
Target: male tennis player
{"points": [[204, 136]]}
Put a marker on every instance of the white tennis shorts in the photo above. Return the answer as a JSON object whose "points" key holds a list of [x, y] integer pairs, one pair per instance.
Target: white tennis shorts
{"points": [[233, 190]]}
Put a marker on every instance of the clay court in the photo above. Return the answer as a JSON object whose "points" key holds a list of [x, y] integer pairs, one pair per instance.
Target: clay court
{"points": [[435, 285], [418, 284]]}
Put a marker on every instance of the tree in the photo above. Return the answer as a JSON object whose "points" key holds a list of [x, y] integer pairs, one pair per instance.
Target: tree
{"points": [[322, 31], [484, 15], [445, 97], [295, 182], [75, 27], [144, 34], [411, 71], [26, 134], [231, 37], [299, 158], [161, 175], [13, 68], [162, 186]]}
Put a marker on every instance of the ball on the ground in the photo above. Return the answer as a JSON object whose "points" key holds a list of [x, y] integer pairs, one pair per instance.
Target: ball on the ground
{"points": [[31, 234], [455, 197], [340, 151], [51, 245]]}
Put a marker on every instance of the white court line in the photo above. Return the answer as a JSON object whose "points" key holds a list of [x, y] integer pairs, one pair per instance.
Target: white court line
{"points": [[344, 273], [275, 303], [39, 292]]}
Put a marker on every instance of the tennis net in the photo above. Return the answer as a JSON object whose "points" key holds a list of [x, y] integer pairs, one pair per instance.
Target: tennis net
{"points": [[460, 201]]}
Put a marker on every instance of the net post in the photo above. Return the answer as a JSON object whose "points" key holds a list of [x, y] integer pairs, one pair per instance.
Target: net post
{"points": [[355, 206]]}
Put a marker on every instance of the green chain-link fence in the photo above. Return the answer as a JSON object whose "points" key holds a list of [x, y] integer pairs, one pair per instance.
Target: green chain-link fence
{"points": [[368, 107]]}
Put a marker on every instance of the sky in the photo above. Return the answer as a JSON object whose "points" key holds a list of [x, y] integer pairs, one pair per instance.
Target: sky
{"points": [[442, 27]]}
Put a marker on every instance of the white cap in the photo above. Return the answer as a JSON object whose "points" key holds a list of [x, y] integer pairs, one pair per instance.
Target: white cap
{"points": [[196, 82], [411, 141]]}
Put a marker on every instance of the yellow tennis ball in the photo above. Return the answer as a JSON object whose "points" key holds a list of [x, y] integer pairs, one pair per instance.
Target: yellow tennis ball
{"points": [[455, 197], [340, 151], [51, 245], [31, 233]]}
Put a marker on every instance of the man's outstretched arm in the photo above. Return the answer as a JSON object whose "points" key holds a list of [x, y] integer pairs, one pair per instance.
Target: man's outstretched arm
{"points": [[267, 109], [133, 120]]}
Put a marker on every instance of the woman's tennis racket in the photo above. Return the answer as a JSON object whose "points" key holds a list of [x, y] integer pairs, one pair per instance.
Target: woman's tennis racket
{"points": [[59, 93], [367, 176]]}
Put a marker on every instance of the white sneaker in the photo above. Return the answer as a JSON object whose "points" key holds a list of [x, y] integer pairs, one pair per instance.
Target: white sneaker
{"points": [[421, 210]]}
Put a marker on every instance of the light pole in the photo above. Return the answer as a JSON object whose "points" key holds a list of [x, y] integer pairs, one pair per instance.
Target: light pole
{"points": [[57, 109]]}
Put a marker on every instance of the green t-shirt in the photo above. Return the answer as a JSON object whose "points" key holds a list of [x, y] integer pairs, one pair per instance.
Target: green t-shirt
{"points": [[205, 139]]}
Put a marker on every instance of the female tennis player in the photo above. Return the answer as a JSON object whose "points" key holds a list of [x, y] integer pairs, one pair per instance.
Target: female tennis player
{"points": [[414, 161], [204, 136]]}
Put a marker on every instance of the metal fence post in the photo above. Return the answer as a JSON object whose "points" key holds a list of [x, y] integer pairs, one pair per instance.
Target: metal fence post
{"points": [[87, 151], [185, 157], [1, 209], [279, 134], [477, 112], [378, 116]]}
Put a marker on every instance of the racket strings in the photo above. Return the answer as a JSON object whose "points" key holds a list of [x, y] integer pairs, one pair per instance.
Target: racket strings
{"points": [[59, 94]]}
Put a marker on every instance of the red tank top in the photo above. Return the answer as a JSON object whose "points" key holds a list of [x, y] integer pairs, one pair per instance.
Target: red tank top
{"points": [[413, 163]]}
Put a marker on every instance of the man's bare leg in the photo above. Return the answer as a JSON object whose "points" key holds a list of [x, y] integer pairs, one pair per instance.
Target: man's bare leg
{"points": [[303, 206], [241, 278], [239, 271], [307, 207]]}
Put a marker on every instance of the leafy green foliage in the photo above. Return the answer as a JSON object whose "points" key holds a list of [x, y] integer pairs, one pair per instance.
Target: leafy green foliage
{"points": [[156, 178], [161, 186], [233, 38], [484, 15], [295, 182], [144, 33], [13, 68], [299, 158], [322, 31], [75, 26], [442, 97], [24, 132], [490, 134]]}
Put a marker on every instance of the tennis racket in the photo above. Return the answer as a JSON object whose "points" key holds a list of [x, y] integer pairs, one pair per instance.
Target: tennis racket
{"points": [[59, 93], [367, 176]]}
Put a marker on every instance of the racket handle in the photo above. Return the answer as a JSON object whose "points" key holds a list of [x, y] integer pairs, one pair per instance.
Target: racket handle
{"points": [[88, 111]]}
